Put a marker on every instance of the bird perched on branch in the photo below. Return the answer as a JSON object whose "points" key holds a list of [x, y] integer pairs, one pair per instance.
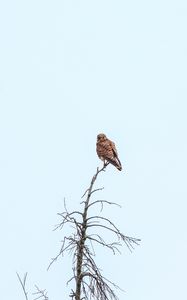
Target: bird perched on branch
{"points": [[107, 152]]}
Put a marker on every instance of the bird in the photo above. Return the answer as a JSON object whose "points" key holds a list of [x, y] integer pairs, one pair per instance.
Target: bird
{"points": [[106, 151]]}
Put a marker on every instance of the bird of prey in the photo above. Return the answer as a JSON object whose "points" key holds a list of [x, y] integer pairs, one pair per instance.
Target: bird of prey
{"points": [[107, 152]]}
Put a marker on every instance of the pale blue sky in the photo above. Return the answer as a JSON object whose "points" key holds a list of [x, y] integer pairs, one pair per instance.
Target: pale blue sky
{"points": [[68, 71]]}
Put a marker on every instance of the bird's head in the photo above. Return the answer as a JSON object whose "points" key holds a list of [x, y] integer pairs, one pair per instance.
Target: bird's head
{"points": [[101, 137]]}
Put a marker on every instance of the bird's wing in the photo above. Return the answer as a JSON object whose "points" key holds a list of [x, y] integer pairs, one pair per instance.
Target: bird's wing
{"points": [[114, 150]]}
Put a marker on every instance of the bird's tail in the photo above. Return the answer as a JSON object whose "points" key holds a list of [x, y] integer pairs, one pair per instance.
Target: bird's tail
{"points": [[115, 162]]}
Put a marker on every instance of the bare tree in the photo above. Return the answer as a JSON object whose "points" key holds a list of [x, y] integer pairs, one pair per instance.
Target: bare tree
{"points": [[89, 281]]}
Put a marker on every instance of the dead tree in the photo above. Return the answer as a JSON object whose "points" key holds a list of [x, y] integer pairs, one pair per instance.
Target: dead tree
{"points": [[89, 281]]}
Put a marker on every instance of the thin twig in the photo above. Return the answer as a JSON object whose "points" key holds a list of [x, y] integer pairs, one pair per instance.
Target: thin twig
{"points": [[104, 201], [40, 293], [23, 284]]}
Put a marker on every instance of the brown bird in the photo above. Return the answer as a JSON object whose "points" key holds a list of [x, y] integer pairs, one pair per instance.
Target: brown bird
{"points": [[107, 152]]}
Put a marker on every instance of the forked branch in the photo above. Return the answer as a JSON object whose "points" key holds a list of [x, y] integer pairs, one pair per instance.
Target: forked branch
{"points": [[23, 284]]}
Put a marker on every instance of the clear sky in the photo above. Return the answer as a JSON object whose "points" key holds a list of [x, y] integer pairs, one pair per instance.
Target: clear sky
{"points": [[68, 71]]}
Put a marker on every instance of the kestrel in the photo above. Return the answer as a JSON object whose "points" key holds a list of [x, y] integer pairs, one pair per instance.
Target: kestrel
{"points": [[107, 152]]}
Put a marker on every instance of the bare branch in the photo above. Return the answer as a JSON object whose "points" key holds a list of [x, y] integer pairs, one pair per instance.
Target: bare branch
{"points": [[129, 241], [96, 190], [112, 246], [85, 193], [103, 201], [40, 294], [23, 284], [71, 244]]}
